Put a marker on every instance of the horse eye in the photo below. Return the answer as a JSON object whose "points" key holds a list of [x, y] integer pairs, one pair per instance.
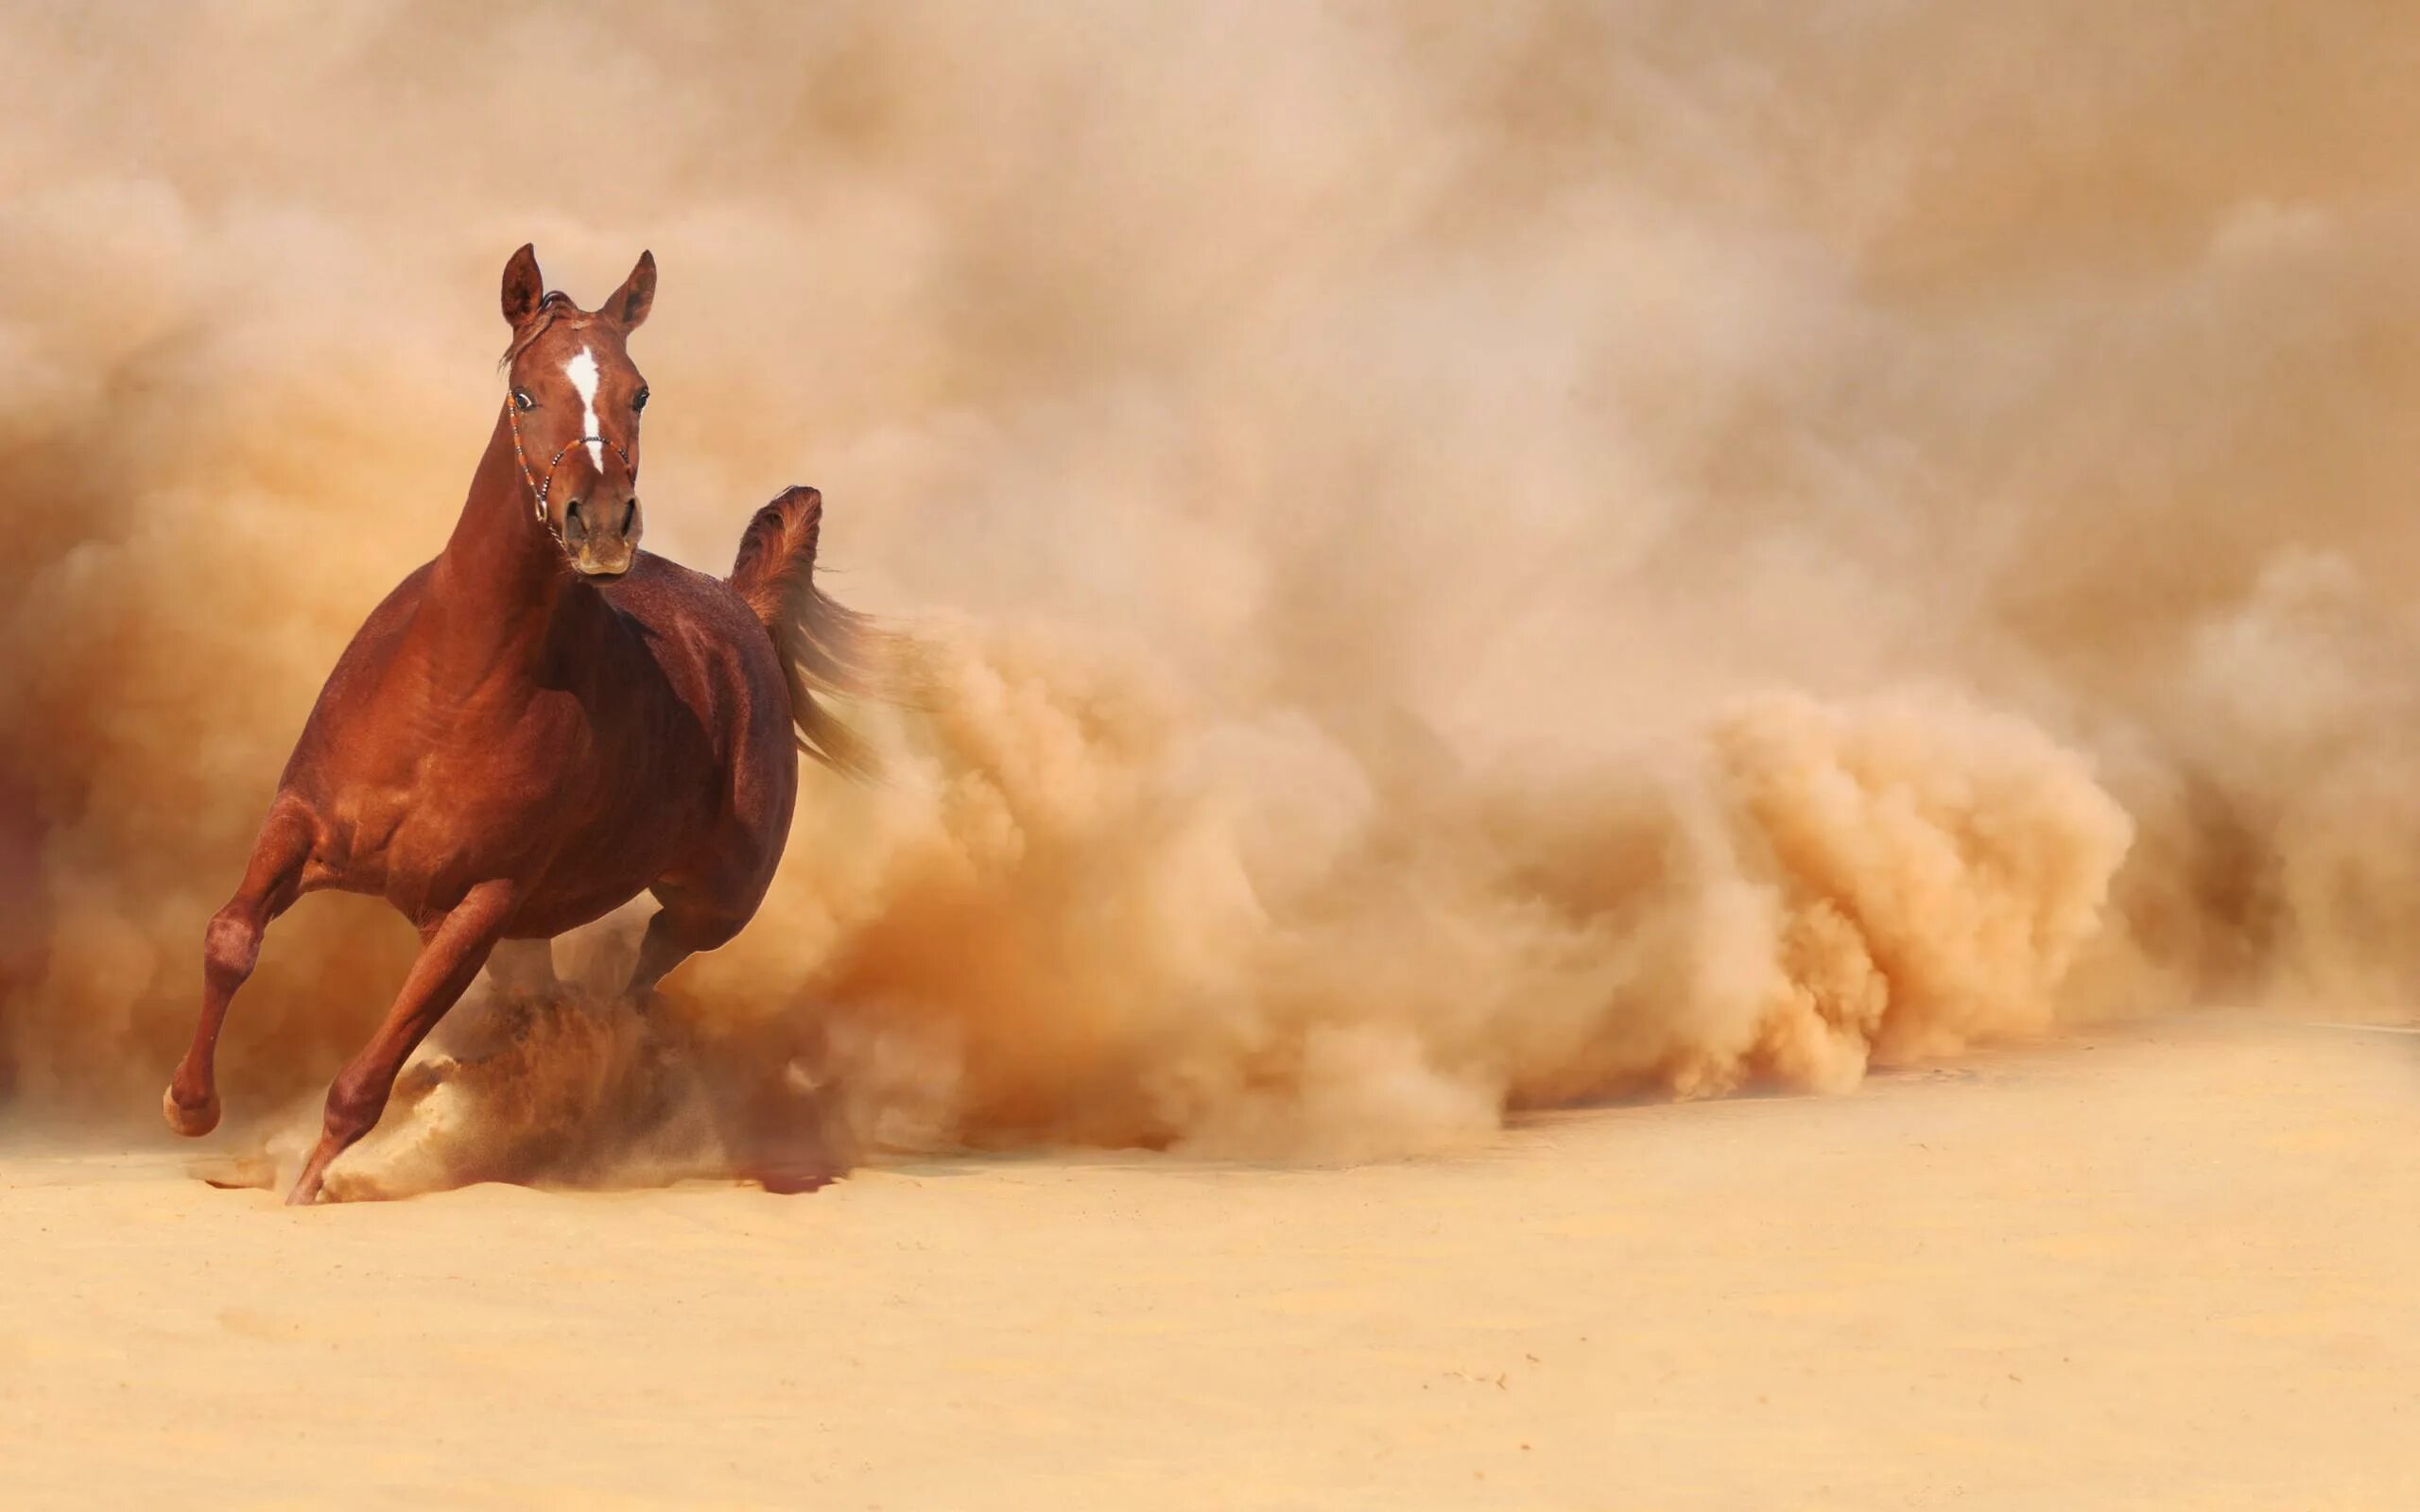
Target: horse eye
{"points": [[638, 400], [523, 401]]}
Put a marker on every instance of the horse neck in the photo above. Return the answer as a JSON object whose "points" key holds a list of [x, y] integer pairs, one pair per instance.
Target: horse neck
{"points": [[500, 584]]}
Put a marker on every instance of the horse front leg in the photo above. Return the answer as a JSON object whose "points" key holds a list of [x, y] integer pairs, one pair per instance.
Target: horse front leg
{"points": [[231, 947], [451, 950]]}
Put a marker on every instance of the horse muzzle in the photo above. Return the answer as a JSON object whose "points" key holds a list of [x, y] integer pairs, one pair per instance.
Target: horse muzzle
{"points": [[602, 538]]}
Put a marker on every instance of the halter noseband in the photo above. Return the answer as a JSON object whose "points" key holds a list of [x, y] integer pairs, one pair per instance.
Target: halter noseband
{"points": [[538, 489]]}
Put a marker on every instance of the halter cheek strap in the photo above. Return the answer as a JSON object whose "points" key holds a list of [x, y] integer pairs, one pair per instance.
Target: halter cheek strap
{"points": [[538, 487]]}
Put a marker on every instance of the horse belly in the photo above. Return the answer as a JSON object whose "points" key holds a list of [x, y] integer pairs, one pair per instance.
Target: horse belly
{"points": [[573, 892], [577, 853]]}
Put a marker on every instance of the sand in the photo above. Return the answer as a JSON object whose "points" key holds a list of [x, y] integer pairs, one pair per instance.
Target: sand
{"points": [[2166, 1267]]}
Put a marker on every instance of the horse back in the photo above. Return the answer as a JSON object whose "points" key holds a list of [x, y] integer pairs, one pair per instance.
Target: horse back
{"points": [[713, 653]]}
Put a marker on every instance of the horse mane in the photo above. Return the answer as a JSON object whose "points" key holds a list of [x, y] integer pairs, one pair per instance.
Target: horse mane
{"points": [[553, 307]]}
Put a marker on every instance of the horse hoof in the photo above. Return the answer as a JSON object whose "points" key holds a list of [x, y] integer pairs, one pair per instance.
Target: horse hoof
{"points": [[788, 1178], [190, 1122], [794, 1183]]}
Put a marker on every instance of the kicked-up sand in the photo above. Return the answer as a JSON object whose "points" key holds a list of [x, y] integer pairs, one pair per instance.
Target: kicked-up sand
{"points": [[2166, 1266]]}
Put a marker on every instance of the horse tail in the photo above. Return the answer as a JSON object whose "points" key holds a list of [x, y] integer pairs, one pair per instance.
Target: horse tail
{"points": [[825, 648]]}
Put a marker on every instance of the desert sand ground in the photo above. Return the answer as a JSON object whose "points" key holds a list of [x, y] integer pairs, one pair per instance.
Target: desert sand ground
{"points": [[2170, 1266]]}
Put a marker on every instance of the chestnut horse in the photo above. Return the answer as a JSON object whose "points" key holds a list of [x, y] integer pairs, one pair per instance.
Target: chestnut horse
{"points": [[545, 720]]}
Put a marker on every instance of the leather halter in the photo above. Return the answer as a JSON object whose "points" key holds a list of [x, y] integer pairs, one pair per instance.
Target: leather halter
{"points": [[537, 488]]}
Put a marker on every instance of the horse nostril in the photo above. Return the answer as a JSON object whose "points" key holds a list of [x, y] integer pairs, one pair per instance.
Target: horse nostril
{"points": [[630, 512], [575, 529]]}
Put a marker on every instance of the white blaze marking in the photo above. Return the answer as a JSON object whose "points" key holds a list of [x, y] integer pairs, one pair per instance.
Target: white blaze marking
{"points": [[582, 370]]}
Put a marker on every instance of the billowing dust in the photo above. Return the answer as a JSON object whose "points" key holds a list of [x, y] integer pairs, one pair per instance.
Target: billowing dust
{"points": [[1474, 556]]}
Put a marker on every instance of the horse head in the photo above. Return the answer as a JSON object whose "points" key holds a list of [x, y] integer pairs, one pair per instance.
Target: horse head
{"points": [[574, 403]]}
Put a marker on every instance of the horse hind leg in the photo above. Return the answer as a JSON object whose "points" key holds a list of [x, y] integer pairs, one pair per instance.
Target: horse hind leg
{"points": [[231, 947], [452, 952], [689, 922], [780, 1132], [524, 966]]}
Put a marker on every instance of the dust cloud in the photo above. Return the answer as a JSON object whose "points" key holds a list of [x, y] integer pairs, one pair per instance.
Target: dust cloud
{"points": [[1473, 556]]}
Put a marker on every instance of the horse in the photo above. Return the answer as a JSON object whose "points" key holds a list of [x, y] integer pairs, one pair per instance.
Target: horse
{"points": [[545, 721]]}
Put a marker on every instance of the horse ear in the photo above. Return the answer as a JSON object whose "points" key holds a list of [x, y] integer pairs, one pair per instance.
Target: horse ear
{"points": [[523, 286], [630, 302]]}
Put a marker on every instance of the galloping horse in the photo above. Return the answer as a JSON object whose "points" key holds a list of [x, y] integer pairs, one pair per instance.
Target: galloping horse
{"points": [[545, 720]]}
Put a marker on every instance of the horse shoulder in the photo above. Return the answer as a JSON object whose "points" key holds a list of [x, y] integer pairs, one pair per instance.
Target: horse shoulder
{"points": [[352, 688]]}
